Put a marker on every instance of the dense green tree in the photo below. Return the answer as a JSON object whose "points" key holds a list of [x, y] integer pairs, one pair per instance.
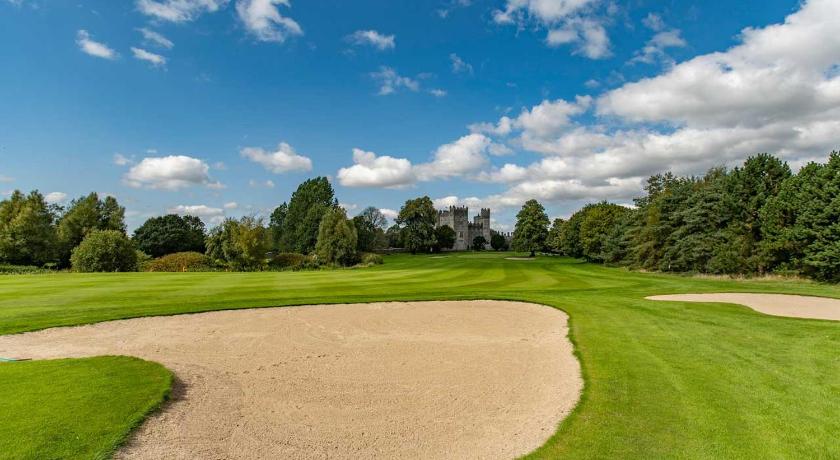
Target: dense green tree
{"points": [[370, 224], [104, 251], [394, 235], [417, 218], [531, 228], [479, 243], [337, 239], [554, 241], [597, 226], [498, 242], [445, 238], [85, 215], [169, 234], [240, 244], [275, 225], [308, 205], [27, 233]]}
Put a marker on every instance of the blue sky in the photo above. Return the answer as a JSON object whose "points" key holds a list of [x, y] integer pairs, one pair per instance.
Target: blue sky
{"points": [[221, 107]]}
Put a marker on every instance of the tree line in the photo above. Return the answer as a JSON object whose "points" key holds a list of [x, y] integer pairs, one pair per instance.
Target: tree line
{"points": [[755, 219]]}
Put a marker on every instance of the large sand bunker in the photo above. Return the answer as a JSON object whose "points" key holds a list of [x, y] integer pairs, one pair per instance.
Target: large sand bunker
{"points": [[797, 306], [479, 379]]}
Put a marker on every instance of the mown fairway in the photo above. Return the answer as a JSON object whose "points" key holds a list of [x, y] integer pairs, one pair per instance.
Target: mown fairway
{"points": [[663, 379]]}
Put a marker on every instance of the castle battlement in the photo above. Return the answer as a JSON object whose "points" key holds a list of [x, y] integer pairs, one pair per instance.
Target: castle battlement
{"points": [[457, 218]]}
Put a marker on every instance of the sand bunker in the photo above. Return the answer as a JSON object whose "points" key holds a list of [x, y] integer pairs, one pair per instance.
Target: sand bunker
{"points": [[796, 306], [479, 379], [520, 258]]}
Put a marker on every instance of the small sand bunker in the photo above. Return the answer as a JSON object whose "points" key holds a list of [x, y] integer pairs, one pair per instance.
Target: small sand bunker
{"points": [[478, 379], [797, 306], [520, 258]]}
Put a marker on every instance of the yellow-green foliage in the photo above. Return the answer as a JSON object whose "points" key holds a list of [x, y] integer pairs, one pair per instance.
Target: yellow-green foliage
{"points": [[180, 262]]}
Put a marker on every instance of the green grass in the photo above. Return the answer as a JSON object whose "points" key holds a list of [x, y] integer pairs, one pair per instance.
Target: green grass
{"points": [[663, 379], [75, 408]]}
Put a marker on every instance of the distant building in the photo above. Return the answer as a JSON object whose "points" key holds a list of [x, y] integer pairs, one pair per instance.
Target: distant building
{"points": [[457, 217]]}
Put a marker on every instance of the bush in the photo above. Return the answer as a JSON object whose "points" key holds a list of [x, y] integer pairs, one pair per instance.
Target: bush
{"points": [[104, 251], [181, 262], [288, 260], [8, 269], [370, 258], [143, 261]]}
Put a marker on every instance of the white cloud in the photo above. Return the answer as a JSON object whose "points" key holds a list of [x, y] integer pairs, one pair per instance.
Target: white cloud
{"points": [[257, 184], [372, 38], [654, 22], [5, 179], [156, 60], [55, 197], [263, 20], [121, 160], [204, 212], [465, 155], [231, 205], [656, 48], [370, 170], [282, 160], [390, 81], [778, 91], [179, 10], [389, 213], [154, 38], [92, 47], [436, 92], [170, 173], [459, 66], [567, 21]]}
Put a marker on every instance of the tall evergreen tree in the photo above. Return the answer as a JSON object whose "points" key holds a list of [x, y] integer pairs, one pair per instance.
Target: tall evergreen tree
{"points": [[308, 205], [336, 239]]}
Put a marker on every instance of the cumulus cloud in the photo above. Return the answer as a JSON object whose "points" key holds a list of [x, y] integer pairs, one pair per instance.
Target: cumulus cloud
{"points": [[282, 160], [156, 60], [261, 184], [390, 81], [465, 155], [370, 170], [567, 21], [372, 38], [121, 160], [206, 213], [179, 10], [437, 92], [55, 197], [155, 39], [777, 91], [656, 48], [94, 48], [231, 205], [263, 20], [172, 172], [389, 213]]}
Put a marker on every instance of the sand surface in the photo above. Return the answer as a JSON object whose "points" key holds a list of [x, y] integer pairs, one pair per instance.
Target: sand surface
{"points": [[796, 306], [478, 379], [520, 258]]}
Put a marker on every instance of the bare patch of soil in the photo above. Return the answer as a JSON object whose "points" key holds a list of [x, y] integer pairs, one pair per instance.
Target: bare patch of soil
{"points": [[477, 379]]}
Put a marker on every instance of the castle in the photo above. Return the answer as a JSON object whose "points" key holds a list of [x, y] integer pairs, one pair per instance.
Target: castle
{"points": [[457, 217]]}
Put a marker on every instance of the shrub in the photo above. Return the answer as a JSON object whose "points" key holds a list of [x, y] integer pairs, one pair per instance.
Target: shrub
{"points": [[370, 258], [181, 262], [143, 261], [8, 269], [336, 243], [288, 260], [104, 251]]}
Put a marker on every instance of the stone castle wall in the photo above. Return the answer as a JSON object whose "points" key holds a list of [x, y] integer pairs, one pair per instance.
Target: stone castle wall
{"points": [[457, 217]]}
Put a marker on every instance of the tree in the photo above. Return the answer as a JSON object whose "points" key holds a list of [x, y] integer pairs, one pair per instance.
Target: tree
{"points": [[531, 229], [275, 225], [85, 215], [27, 234], [498, 242], [308, 205], [394, 235], [240, 244], [104, 251], [417, 218], [597, 226], [554, 241], [169, 234], [479, 243], [336, 239], [370, 225], [445, 237]]}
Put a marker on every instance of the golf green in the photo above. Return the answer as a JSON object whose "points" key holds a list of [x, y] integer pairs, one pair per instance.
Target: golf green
{"points": [[662, 379]]}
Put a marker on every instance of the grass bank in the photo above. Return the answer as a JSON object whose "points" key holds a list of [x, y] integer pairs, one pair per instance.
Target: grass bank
{"points": [[663, 379]]}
